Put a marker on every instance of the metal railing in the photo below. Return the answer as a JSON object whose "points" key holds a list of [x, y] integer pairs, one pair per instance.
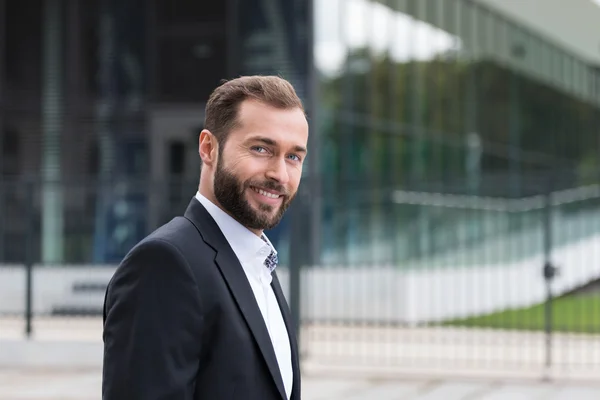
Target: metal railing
{"points": [[513, 288], [438, 281]]}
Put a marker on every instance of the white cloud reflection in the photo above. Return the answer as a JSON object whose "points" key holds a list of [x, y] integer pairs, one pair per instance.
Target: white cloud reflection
{"points": [[341, 25]]}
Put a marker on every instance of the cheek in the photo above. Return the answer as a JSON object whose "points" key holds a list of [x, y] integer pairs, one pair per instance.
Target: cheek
{"points": [[249, 172], [244, 161], [295, 177], [242, 166]]}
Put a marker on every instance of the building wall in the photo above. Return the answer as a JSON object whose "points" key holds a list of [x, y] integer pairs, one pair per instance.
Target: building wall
{"points": [[101, 105], [449, 96], [574, 28], [455, 96]]}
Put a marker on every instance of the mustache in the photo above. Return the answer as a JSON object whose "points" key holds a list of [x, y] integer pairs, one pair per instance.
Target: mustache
{"points": [[272, 185]]}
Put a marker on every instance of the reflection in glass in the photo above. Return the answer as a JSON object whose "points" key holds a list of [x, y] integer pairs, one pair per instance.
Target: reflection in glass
{"points": [[412, 39], [445, 96]]}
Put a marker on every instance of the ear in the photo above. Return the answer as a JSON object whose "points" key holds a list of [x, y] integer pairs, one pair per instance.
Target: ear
{"points": [[208, 148]]}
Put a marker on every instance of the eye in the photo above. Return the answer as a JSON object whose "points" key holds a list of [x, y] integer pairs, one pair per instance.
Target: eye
{"points": [[295, 157], [259, 149]]}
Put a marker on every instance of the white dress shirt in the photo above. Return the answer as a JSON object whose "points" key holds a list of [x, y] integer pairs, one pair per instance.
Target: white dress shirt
{"points": [[252, 251]]}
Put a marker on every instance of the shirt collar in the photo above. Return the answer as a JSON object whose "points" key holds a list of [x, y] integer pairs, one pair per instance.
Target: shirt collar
{"points": [[244, 243]]}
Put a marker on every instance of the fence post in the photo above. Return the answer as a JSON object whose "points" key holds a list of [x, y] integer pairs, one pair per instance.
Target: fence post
{"points": [[3, 189], [29, 240], [549, 272], [297, 256], [3, 186]]}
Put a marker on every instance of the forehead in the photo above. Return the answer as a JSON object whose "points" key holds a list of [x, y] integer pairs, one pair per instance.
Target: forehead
{"points": [[282, 125]]}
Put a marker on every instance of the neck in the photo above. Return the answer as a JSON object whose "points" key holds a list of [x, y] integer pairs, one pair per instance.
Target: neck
{"points": [[210, 195]]}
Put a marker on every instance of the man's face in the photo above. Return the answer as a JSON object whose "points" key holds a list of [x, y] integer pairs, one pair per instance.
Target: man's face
{"points": [[260, 165]]}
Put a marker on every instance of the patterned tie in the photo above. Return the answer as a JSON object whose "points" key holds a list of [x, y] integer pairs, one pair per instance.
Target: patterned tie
{"points": [[271, 261]]}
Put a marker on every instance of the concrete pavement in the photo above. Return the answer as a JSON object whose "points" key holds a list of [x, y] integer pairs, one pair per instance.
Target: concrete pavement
{"points": [[359, 350], [63, 361], [65, 384]]}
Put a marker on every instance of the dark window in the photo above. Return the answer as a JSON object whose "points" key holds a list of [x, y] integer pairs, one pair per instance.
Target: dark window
{"points": [[23, 43], [93, 160], [9, 165], [114, 41], [10, 143], [191, 49], [190, 67], [90, 17], [176, 158], [176, 12]]}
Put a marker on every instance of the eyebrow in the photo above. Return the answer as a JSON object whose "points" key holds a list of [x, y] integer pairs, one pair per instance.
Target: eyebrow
{"points": [[271, 142]]}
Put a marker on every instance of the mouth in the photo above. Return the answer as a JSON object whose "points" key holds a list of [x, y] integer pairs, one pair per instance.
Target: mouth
{"points": [[266, 196]]}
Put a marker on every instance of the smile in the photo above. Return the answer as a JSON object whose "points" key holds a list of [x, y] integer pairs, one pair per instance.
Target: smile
{"points": [[265, 193]]}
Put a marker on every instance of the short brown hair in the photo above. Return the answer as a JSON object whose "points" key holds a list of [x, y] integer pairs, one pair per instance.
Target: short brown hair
{"points": [[223, 104]]}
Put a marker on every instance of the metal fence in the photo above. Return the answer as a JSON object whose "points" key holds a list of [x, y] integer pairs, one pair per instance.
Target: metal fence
{"points": [[419, 280], [480, 285], [60, 244]]}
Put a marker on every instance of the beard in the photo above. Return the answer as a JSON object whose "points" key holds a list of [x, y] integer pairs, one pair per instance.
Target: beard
{"points": [[230, 192]]}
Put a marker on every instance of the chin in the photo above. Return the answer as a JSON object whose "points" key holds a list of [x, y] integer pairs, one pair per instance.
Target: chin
{"points": [[270, 217]]}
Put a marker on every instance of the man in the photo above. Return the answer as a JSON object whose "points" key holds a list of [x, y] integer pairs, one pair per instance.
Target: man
{"points": [[195, 310]]}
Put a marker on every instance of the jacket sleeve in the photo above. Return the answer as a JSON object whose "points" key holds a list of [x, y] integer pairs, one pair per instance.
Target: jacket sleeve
{"points": [[152, 326]]}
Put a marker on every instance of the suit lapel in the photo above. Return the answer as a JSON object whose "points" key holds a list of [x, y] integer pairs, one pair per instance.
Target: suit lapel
{"points": [[236, 279], [287, 318], [242, 292]]}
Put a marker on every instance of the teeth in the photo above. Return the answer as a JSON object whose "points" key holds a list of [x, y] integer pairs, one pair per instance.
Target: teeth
{"points": [[266, 194]]}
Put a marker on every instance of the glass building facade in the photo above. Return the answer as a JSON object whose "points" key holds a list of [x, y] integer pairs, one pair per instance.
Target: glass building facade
{"points": [[443, 96], [101, 102], [437, 94]]}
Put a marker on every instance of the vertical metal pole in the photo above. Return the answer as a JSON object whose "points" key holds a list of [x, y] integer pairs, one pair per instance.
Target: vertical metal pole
{"points": [[549, 272], [154, 182], [302, 251], [2, 50], [105, 111], [394, 140], [52, 115], [547, 250], [314, 142], [344, 193], [29, 188], [2, 96], [298, 253], [74, 68], [596, 117]]}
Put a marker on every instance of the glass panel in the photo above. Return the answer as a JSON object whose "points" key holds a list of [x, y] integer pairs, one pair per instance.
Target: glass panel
{"points": [[463, 100]]}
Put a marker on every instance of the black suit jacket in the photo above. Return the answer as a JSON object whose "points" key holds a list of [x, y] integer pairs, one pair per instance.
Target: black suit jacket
{"points": [[181, 321]]}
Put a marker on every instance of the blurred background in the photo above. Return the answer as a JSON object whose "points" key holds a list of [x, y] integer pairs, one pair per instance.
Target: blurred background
{"points": [[449, 215]]}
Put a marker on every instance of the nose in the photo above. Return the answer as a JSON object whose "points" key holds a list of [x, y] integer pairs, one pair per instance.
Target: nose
{"points": [[278, 171]]}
